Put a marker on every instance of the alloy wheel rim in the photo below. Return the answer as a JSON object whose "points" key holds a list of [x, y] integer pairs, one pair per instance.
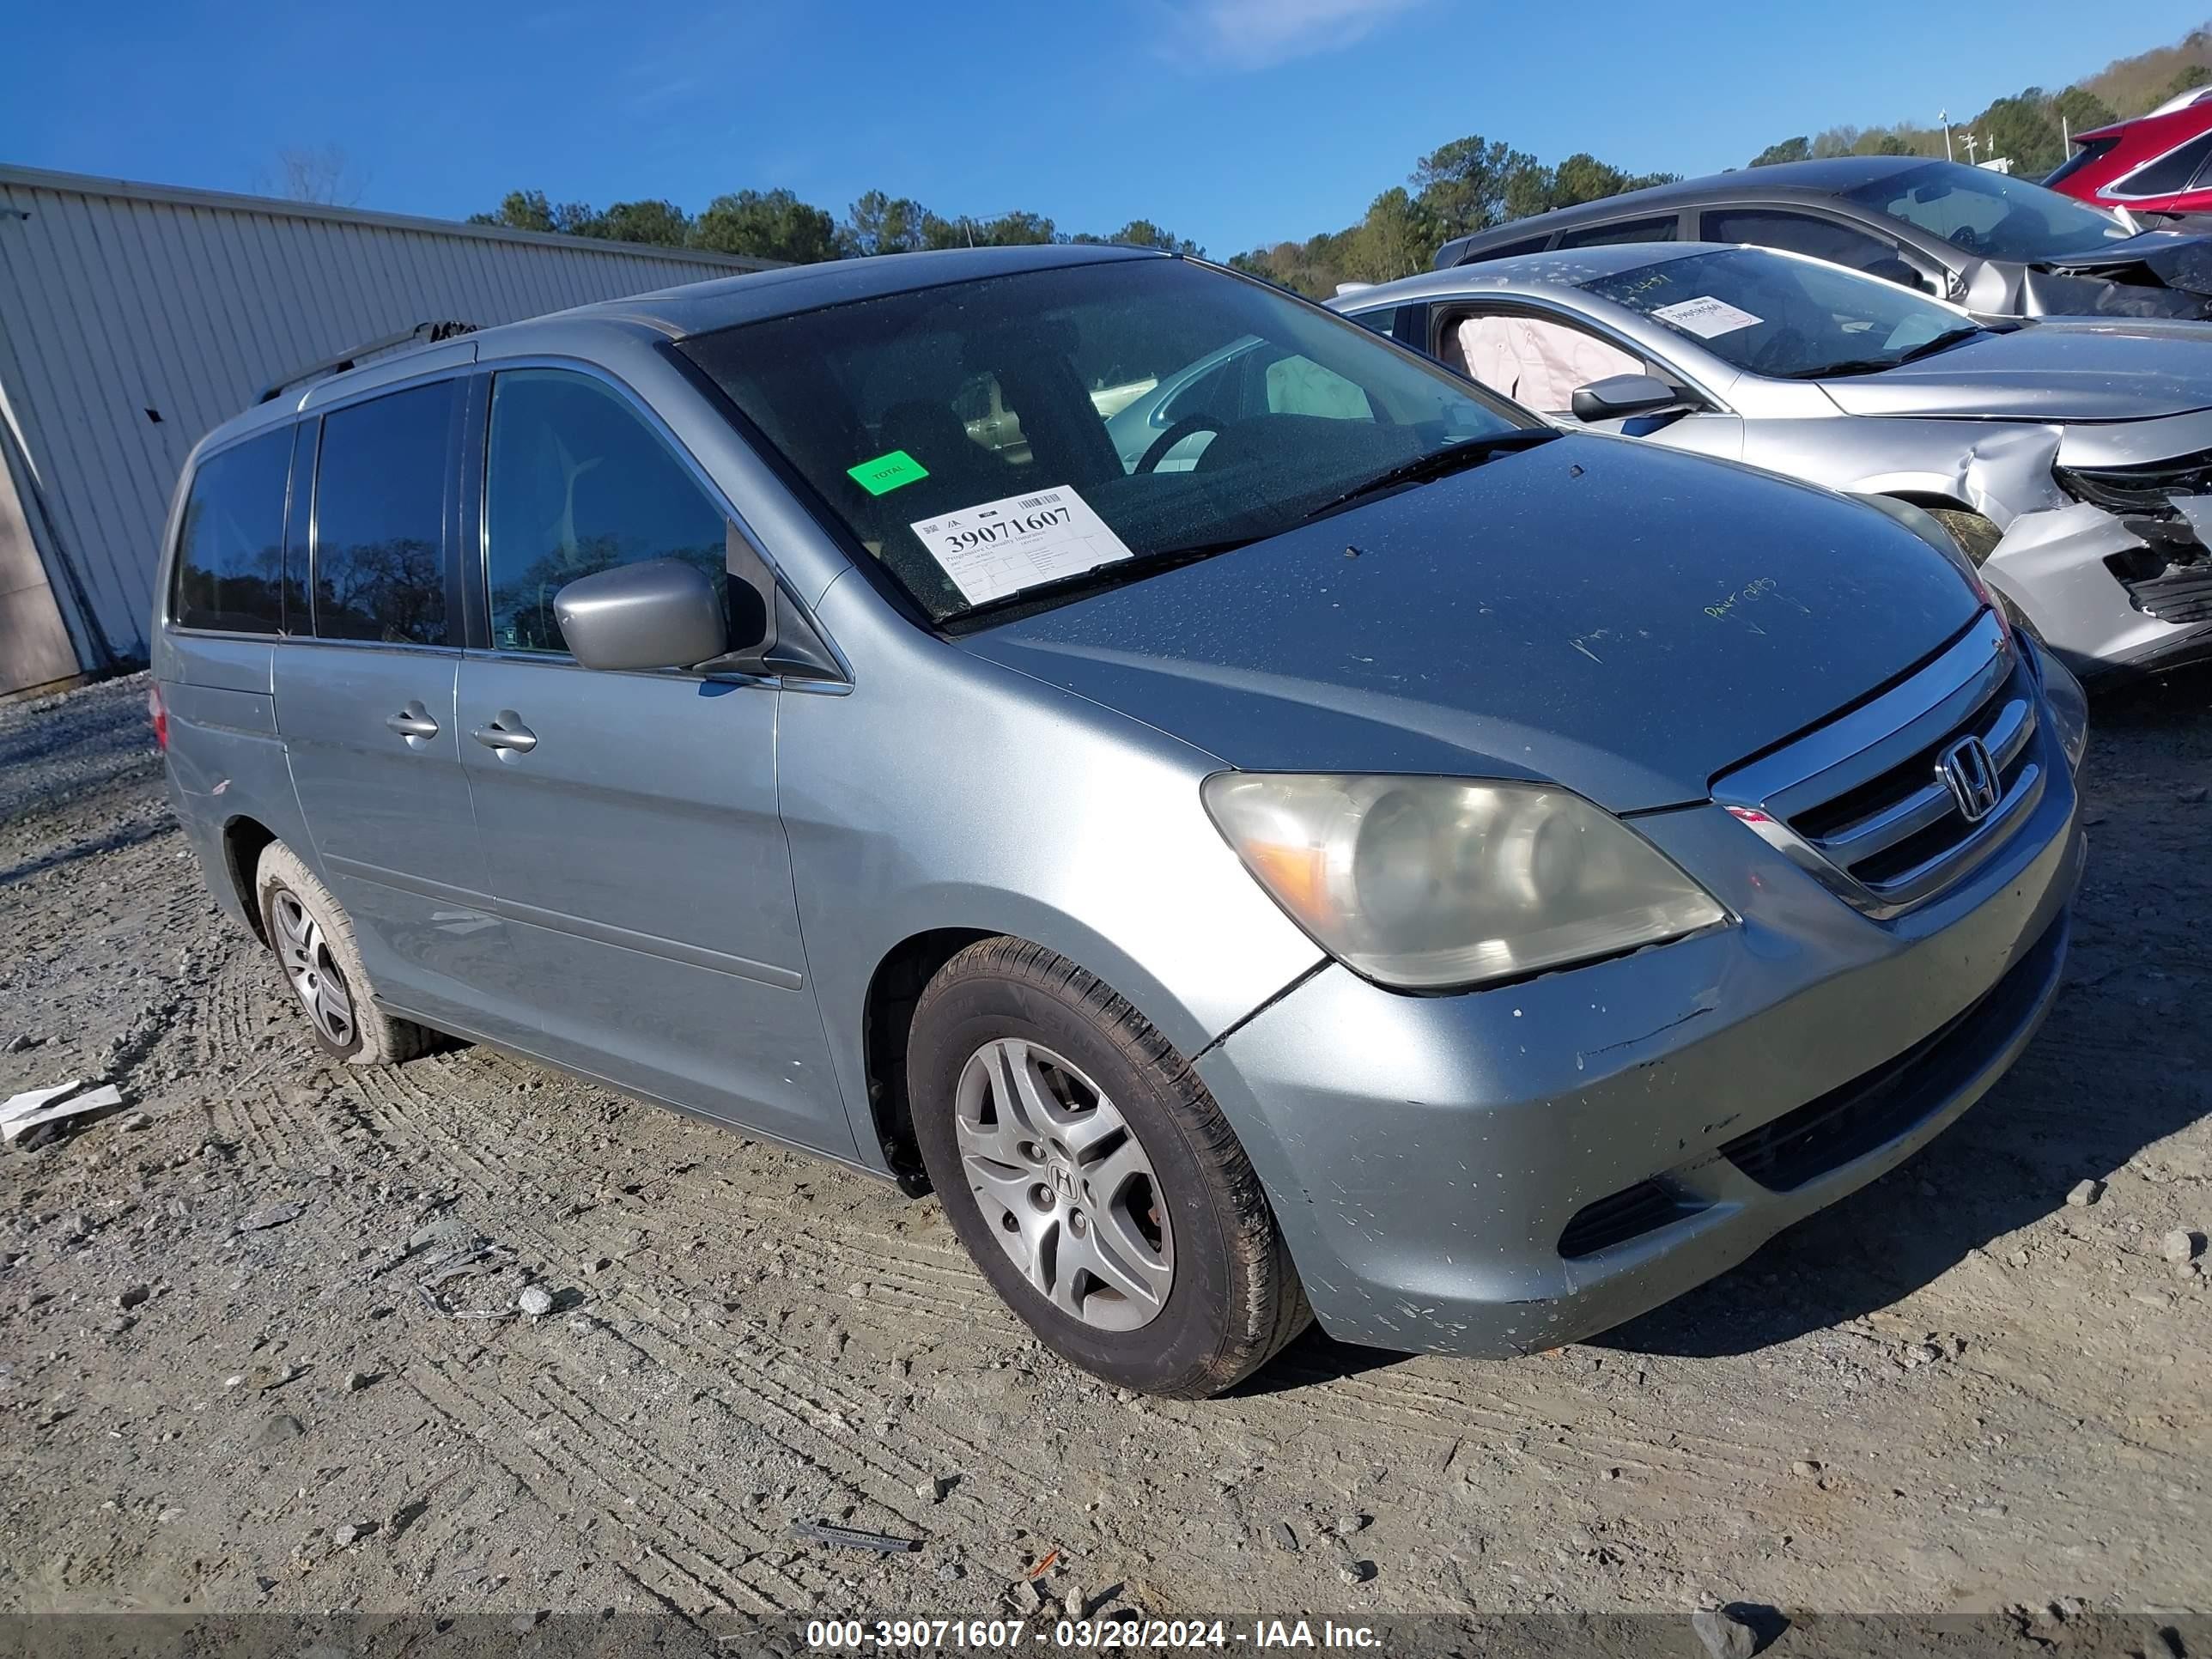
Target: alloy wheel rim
{"points": [[1065, 1185], [314, 975]]}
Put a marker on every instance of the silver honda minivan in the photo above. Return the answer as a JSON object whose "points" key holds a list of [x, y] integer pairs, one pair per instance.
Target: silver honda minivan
{"points": [[1467, 881]]}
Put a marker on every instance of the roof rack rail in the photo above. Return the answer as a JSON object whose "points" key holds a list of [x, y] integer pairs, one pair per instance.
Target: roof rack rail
{"points": [[421, 334]]}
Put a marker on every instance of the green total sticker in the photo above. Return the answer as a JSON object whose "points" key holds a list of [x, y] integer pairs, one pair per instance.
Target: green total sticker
{"points": [[887, 472]]}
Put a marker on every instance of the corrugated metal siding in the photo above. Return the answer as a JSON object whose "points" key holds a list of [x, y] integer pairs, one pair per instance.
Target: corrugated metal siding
{"points": [[119, 299]]}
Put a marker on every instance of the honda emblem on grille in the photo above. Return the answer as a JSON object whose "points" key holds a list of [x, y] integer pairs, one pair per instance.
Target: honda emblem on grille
{"points": [[1972, 777]]}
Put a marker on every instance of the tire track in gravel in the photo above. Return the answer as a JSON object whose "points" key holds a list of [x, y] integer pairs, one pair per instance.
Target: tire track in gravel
{"points": [[823, 1422], [803, 1413], [611, 1465]]}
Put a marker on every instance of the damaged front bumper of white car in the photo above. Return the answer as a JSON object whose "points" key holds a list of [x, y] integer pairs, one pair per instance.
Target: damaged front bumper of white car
{"points": [[2114, 570]]}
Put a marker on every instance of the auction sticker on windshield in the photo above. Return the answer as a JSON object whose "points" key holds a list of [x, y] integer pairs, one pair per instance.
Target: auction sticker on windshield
{"points": [[1706, 317], [1004, 546]]}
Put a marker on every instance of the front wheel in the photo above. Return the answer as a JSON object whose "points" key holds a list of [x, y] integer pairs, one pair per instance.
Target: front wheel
{"points": [[1092, 1177]]}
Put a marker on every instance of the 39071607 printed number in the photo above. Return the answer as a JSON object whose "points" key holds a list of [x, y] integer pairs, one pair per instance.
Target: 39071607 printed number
{"points": [[1082, 1634]]}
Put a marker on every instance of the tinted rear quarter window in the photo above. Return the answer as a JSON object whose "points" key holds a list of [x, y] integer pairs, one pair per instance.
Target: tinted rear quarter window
{"points": [[1798, 232], [230, 548], [2170, 174], [1661, 228], [380, 567]]}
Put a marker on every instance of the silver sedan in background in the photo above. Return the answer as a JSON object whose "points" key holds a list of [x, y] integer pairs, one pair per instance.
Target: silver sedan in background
{"points": [[2071, 457]]}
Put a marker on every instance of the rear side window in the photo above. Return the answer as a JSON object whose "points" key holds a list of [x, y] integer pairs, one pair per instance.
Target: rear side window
{"points": [[578, 483], [2171, 173], [1659, 229], [230, 549], [379, 559], [1799, 232]]}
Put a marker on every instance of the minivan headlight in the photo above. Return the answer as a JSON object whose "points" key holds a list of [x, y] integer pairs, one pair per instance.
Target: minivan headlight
{"points": [[1427, 883]]}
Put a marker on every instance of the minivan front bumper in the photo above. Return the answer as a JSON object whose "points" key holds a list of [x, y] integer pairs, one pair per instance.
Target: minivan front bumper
{"points": [[1502, 1171]]}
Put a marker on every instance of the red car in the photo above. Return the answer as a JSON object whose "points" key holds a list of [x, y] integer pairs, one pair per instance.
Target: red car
{"points": [[2156, 166]]}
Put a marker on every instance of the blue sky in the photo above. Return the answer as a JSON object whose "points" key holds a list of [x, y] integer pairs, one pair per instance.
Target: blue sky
{"points": [[1233, 122]]}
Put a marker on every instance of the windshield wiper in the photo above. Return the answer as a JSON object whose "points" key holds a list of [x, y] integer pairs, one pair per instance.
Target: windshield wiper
{"points": [[1108, 574], [1943, 341], [1439, 463]]}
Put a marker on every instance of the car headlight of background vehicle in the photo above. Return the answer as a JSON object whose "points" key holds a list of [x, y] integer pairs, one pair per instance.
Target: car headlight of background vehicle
{"points": [[1426, 883]]}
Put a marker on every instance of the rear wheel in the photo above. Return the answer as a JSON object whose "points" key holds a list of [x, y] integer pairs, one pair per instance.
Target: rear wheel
{"points": [[314, 945], [1092, 1177]]}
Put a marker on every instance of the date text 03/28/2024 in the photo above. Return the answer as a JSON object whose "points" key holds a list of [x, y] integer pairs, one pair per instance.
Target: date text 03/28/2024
{"points": [[1004, 1634]]}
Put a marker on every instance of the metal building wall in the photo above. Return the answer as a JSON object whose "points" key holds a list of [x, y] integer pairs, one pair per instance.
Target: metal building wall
{"points": [[133, 318]]}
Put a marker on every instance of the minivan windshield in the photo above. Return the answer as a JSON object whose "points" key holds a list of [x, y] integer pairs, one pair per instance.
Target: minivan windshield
{"points": [[1989, 214], [1047, 431], [1793, 319]]}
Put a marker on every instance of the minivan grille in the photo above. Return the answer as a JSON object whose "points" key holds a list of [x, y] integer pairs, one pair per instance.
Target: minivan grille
{"points": [[1877, 803], [1880, 1106]]}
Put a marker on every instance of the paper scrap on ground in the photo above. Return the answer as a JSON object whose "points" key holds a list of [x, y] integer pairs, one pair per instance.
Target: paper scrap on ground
{"points": [[30, 1100], [1004, 546], [18, 1118], [1706, 317]]}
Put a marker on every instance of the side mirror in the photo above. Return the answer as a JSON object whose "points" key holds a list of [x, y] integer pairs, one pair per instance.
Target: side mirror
{"points": [[661, 613], [1619, 396], [1898, 271]]}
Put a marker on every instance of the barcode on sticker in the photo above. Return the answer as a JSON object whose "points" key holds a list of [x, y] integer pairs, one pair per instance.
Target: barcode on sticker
{"points": [[1045, 500]]}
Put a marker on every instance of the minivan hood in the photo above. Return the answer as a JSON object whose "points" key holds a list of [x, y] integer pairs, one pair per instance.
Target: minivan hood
{"points": [[1623, 620], [2070, 370]]}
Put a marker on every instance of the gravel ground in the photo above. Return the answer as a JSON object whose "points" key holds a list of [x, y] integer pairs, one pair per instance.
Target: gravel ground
{"points": [[223, 1385]]}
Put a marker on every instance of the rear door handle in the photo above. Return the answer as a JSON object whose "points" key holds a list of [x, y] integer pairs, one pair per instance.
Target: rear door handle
{"points": [[507, 733], [412, 721]]}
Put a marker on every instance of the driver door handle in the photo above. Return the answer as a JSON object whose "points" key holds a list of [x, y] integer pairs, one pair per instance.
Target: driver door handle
{"points": [[407, 724], [507, 733]]}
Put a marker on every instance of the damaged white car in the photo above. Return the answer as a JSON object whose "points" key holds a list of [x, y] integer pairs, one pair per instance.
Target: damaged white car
{"points": [[2071, 457]]}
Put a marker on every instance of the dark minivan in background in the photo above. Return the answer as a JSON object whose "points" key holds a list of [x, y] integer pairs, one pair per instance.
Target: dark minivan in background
{"points": [[1998, 246]]}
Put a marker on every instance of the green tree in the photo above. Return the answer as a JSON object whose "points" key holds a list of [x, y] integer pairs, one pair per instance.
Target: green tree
{"points": [[880, 223], [1882, 143], [2191, 77], [662, 223], [521, 210], [1015, 229], [575, 219], [2021, 129], [1474, 183], [771, 225], [1143, 233], [1395, 239], [1799, 149], [2082, 110]]}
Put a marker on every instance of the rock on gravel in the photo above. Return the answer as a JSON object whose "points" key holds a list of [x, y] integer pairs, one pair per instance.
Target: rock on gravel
{"points": [[2085, 1193], [271, 1215], [1724, 1635], [537, 1301], [2180, 1245]]}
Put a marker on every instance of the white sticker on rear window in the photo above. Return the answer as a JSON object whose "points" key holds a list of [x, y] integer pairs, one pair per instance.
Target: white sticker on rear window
{"points": [[1706, 317], [1004, 546]]}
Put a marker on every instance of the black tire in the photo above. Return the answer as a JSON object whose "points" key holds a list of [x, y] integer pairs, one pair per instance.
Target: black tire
{"points": [[281, 880], [1234, 1299]]}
